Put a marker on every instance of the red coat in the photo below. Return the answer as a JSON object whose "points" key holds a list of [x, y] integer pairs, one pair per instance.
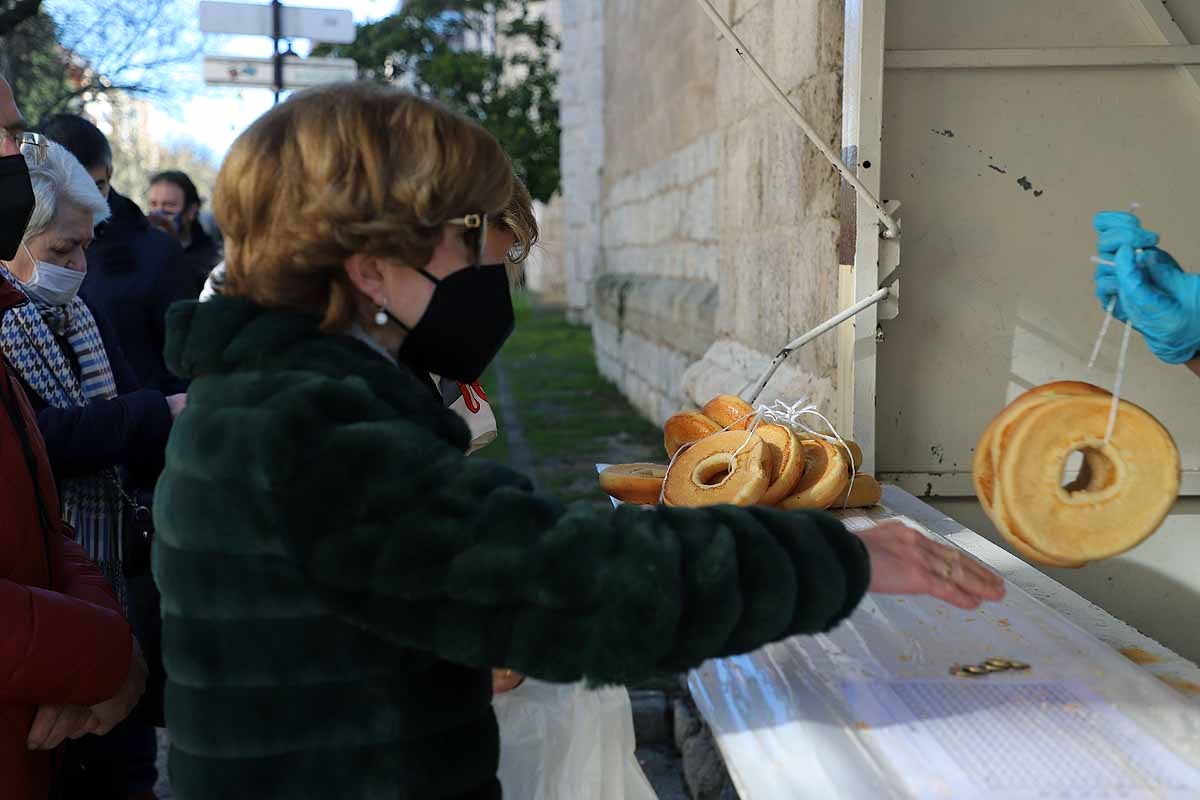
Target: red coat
{"points": [[65, 643]]}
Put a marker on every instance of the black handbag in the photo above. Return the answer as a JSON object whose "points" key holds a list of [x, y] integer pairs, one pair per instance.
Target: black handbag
{"points": [[137, 533], [137, 538]]}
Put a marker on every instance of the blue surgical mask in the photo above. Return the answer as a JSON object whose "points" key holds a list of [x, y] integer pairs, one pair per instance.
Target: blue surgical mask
{"points": [[176, 220], [52, 285]]}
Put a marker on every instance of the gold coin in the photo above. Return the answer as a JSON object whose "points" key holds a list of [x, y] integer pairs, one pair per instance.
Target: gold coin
{"points": [[1018, 665], [974, 670], [998, 663], [990, 667]]}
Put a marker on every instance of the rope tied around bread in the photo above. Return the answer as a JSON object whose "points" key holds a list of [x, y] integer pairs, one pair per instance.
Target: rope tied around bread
{"points": [[790, 415]]}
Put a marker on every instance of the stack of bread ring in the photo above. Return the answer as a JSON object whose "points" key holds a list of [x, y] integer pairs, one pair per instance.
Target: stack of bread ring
{"points": [[1125, 487], [717, 458]]}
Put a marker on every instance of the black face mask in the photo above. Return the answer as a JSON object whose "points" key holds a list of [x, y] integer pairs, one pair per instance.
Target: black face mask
{"points": [[16, 204], [469, 318]]}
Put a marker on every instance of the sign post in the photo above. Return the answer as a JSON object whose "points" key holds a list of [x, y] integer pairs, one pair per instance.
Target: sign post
{"points": [[278, 22], [276, 26], [259, 73]]}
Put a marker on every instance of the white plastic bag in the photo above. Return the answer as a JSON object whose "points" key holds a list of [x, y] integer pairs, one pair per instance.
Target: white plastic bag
{"points": [[470, 402], [565, 742]]}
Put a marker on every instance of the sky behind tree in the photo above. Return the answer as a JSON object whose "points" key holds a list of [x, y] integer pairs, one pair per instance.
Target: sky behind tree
{"points": [[213, 116]]}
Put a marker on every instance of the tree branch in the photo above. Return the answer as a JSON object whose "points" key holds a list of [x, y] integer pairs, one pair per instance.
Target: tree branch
{"points": [[17, 12]]}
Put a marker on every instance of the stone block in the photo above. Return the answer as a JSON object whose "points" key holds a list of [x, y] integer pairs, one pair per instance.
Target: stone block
{"points": [[728, 367], [685, 721], [779, 283], [703, 768], [681, 176]]}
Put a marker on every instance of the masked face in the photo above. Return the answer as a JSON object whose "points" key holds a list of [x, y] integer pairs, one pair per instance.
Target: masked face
{"points": [[51, 265], [16, 204], [468, 317], [52, 285], [468, 320]]}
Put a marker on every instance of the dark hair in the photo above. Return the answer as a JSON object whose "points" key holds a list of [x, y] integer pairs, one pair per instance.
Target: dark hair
{"points": [[81, 137], [173, 176]]}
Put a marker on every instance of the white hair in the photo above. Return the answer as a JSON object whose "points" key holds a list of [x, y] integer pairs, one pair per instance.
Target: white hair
{"points": [[58, 180]]}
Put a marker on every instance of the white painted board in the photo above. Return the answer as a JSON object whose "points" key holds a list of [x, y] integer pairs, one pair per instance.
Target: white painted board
{"points": [[298, 73], [999, 172], [333, 25]]}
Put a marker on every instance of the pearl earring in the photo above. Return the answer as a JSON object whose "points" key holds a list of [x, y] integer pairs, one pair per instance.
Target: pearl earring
{"points": [[381, 317]]}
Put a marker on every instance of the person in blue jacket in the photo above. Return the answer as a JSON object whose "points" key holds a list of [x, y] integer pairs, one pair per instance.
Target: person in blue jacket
{"points": [[135, 271], [1151, 291]]}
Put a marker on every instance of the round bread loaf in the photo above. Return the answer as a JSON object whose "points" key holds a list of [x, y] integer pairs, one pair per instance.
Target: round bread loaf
{"points": [[729, 467], [863, 492], [640, 484], [826, 476], [1119, 509], [730, 412], [787, 461], [685, 428]]}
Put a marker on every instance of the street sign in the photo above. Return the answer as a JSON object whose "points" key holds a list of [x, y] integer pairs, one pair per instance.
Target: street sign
{"points": [[332, 25], [298, 73]]}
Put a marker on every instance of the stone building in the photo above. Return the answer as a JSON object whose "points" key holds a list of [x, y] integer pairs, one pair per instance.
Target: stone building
{"points": [[700, 226]]}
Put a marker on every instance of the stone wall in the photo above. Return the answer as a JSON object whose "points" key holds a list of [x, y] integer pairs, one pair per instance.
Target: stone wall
{"points": [[715, 219], [581, 98], [545, 268]]}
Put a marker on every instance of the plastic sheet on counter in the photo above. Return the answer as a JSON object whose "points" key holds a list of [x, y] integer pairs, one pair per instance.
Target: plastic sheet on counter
{"points": [[791, 720]]}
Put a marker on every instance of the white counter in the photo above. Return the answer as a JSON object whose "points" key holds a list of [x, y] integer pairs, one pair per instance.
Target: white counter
{"points": [[791, 723]]}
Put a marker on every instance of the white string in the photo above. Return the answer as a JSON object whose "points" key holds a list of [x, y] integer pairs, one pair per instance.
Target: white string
{"points": [[889, 223], [780, 414], [790, 415], [1120, 377], [662, 495], [1108, 317], [1116, 399]]}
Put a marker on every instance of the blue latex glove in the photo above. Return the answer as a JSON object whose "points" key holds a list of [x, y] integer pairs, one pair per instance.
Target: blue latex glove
{"points": [[1115, 229], [1162, 301]]}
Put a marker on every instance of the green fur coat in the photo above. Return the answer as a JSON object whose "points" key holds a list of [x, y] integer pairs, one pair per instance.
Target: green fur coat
{"points": [[337, 578]]}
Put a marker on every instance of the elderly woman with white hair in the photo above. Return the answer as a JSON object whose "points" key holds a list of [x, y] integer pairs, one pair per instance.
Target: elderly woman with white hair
{"points": [[104, 435]]}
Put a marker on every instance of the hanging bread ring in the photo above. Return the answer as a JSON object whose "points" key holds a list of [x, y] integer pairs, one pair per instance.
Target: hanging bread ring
{"points": [[826, 476], [730, 412], [1101, 521], [987, 458], [730, 467], [787, 461], [991, 444], [634, 483], [685, 428]]}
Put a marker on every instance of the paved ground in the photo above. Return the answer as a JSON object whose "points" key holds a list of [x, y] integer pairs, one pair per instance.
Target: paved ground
{"points": [[664, 769]]}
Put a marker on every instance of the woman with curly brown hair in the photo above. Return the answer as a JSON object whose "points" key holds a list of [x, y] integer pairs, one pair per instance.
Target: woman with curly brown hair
{"points": [[337, 578]]}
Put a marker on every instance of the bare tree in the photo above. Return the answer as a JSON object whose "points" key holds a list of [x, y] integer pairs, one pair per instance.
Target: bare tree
{"points": [[88, 49]]}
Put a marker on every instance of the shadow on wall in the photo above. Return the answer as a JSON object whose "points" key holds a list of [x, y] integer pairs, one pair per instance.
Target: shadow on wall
{"points": [[1152, 587]]}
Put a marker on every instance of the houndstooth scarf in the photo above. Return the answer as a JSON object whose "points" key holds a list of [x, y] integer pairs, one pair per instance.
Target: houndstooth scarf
{"points": [[92, 504]]}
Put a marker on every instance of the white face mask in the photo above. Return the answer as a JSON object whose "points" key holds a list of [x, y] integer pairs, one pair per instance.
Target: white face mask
{"points": [[51, 284]]}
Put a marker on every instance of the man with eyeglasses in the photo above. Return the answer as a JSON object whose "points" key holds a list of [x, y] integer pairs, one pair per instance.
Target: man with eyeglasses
{"points": [[70, 664]]}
